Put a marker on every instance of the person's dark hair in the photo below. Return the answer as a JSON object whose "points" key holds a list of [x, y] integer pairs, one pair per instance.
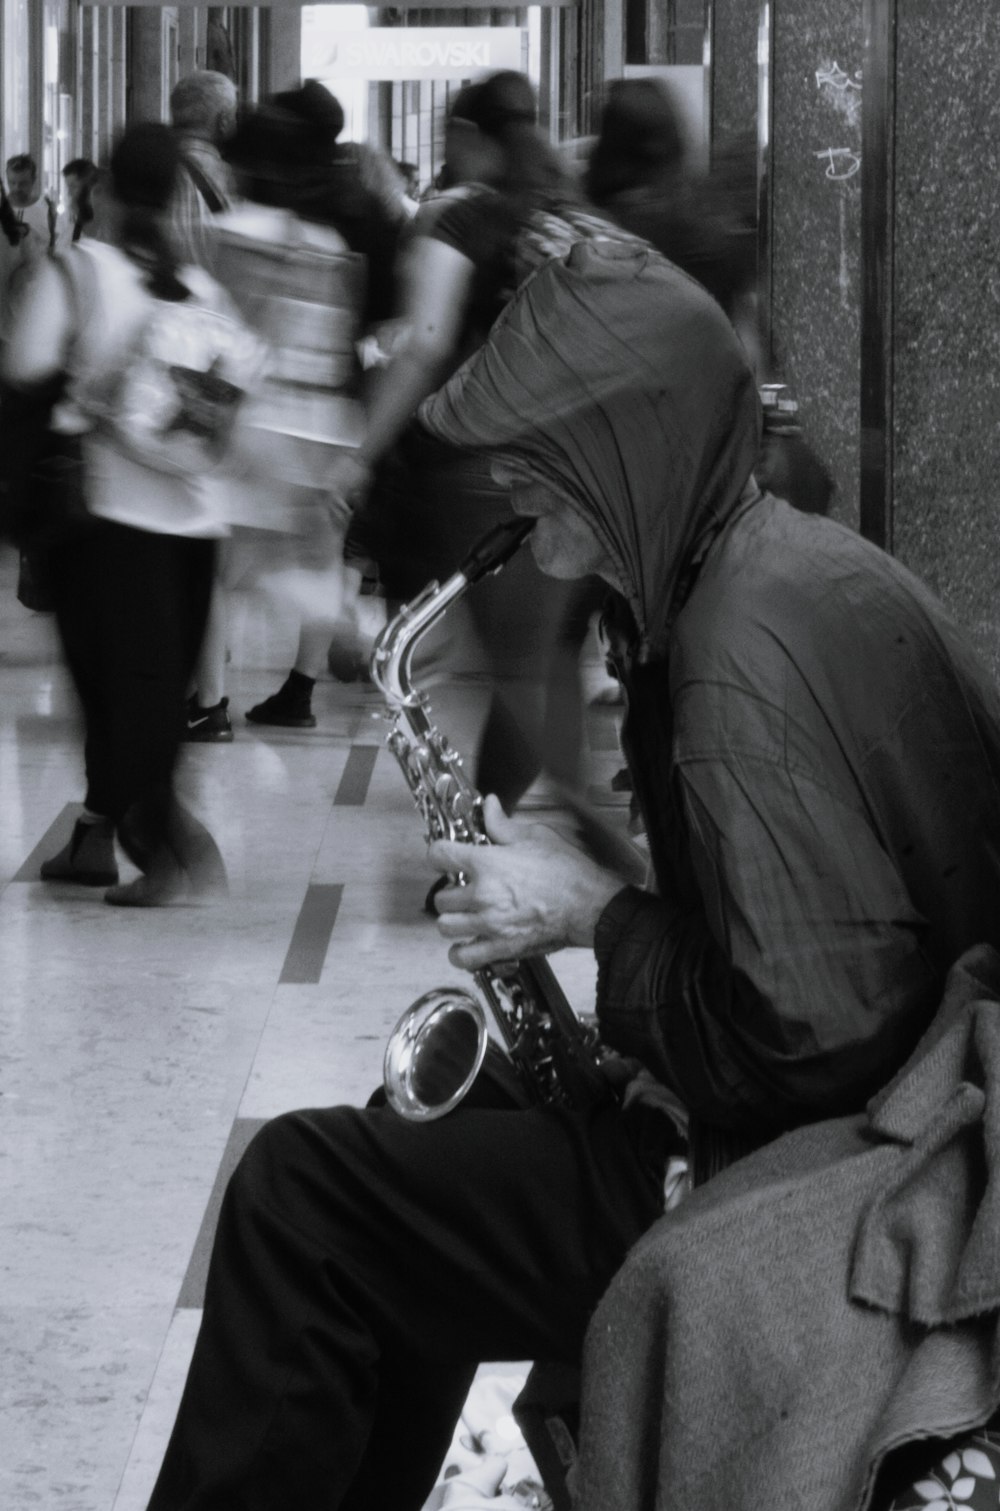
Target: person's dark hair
{"points": [[281, 158], [8, 220], [80, 167], [503, 107], [86, 171], [640, 140], [286, 155], [22, 162], [314, 104], [409, 173], [145, 168]]}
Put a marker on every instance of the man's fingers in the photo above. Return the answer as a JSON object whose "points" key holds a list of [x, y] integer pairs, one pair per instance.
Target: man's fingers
{"points": [[450, 857], [501, 829], [476, 953], [453, 923]]}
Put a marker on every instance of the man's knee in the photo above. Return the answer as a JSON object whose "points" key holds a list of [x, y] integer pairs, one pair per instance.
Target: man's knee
{"points": [[285, 1145]]}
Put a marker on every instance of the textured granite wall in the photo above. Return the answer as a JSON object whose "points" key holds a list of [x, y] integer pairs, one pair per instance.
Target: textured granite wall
{"points": [[946, 298], [815, 225], [733, 83]]}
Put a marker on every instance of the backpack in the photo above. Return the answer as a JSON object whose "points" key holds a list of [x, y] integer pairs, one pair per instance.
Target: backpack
{"points": [[553, 231], [173, 402]]}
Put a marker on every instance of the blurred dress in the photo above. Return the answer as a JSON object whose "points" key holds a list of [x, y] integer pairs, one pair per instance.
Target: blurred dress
{"points": [[431, 503]]}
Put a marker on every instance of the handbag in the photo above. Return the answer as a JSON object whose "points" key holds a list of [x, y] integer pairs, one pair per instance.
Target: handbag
{"points": [[42, 488]]}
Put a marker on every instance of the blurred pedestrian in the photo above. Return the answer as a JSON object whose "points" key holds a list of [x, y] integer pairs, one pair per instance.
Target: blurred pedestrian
{"points": [[132, 586], [430, 502], [360, 194], [638, 173], [203, 114], [79, 177], [297, 279], [34, 220]]}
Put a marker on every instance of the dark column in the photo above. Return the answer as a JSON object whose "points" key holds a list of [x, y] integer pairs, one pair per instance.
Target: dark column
{"points": [[940, 297], [733, 26], [281, 39], [147, 100], [812, 57]]}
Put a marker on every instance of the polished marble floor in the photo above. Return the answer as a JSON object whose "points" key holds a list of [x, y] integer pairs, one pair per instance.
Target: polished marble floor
{"points": [[140, 1049]]}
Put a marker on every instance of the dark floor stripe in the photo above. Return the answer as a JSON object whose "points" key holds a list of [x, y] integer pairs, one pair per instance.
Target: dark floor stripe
{"points": [[353, 789], [307, 951], [52, 840], [192, 1292]]}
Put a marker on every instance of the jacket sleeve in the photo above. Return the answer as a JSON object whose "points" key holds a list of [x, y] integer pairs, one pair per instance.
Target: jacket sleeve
{"points": [[793, 985]]}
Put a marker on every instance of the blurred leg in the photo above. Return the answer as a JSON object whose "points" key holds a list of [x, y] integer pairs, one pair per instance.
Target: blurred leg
{"points": [[210, 671], [519, 616]]}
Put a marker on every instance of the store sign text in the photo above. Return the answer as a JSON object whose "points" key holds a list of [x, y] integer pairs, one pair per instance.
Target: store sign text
{"points": [[388, 52]]}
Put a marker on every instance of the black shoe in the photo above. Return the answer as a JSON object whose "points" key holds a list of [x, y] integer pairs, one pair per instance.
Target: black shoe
{"points": [[210, 726], [88, 858], [284, 709]]}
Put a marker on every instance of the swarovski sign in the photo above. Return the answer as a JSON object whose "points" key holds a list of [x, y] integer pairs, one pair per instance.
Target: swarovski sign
{"points": [[426, 52]]}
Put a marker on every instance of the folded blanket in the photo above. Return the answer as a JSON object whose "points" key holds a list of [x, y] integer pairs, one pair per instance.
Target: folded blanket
{"points": [[821, 1303]]}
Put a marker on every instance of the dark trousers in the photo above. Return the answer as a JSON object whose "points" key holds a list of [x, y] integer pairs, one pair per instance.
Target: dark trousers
{"points": [[364, 1266], [131, 608]]}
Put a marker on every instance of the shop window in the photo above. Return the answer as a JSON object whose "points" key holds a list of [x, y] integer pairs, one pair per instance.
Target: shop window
{"points": [[58, 91], [16, 45], [664, 31]]}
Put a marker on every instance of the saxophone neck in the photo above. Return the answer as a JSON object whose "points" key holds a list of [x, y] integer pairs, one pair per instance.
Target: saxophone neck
{"points": [[393, 650]]}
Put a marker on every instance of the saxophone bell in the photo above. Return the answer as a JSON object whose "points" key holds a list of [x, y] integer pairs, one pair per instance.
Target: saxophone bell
{"points": [[434, 1054]]}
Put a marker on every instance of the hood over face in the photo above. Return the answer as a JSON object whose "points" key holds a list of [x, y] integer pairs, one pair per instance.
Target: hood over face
{"points": [[615, 378]]}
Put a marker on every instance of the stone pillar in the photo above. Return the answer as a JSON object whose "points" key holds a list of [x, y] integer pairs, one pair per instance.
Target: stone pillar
{"points": [[146, 65], [89, 81], [111, 103], [733, 26], [811, 60], [188, 41], [933, 406], [282, 49]]}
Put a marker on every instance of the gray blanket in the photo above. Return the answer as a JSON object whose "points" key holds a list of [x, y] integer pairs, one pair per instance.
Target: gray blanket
{"points": [[818, 1305]]}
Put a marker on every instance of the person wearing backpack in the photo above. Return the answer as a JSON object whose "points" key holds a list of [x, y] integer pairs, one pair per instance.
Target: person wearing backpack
{"points": [[203, 109], [299, 280], [33, 226], [421, 504], [131, 590]]}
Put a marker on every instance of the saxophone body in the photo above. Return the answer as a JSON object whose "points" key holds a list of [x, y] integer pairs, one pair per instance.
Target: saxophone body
{"points": [[437, 1048]]}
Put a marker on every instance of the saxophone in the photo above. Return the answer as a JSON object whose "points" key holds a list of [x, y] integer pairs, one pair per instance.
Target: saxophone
{"points": [[437, 1049]]}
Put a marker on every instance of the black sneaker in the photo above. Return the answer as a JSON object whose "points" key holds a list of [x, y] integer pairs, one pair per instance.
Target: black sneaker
{"points": [[283, 711], [208, 725]]}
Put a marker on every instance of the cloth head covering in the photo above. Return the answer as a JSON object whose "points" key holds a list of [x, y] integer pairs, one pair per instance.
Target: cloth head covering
{"points": [[496, 102], [614, 377]]}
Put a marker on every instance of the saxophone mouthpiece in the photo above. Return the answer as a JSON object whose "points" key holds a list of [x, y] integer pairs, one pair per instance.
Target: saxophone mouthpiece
{"points": [[495, 549]]}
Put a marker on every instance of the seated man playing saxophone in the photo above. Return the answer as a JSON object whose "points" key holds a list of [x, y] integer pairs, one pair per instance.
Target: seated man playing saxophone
{"points": [[816, 754]]}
